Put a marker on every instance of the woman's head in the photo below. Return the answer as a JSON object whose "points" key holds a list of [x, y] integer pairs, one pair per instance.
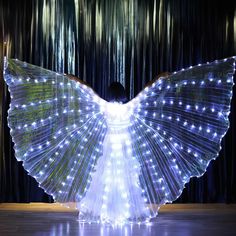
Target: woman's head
{"points": [[116, 93]]}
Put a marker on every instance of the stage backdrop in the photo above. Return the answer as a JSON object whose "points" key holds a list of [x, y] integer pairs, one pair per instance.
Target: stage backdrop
{"points": [[130, 41]]}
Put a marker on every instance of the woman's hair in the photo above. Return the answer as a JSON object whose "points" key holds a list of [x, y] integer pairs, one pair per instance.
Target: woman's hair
{"points": [[116, 93]]}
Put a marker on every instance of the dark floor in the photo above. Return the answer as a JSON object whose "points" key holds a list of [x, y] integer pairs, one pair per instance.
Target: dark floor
{"points": [[214, 221]]}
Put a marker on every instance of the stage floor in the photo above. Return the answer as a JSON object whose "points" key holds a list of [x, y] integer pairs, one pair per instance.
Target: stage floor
{"points": [[41, 219]]}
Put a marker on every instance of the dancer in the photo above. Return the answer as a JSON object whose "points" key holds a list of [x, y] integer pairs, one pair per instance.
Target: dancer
{"points": [[119, 161]]}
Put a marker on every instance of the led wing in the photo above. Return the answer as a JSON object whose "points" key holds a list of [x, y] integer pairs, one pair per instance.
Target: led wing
{"points": [[57, 128], [177, 127]]}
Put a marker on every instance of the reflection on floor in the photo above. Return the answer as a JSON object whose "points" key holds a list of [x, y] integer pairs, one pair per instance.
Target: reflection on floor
{"points": [[41, 219]]}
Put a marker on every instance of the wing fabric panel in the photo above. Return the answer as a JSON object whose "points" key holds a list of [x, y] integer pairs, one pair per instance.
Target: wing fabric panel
{"points": [[177, 127], [57, 128]]}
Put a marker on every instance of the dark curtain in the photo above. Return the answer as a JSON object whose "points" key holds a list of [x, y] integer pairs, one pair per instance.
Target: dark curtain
{"points": [[130, 41]]}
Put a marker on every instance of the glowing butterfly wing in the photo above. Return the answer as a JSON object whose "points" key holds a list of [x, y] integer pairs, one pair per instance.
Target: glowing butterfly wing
{"points": [[177, 127], [57, 128]]}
